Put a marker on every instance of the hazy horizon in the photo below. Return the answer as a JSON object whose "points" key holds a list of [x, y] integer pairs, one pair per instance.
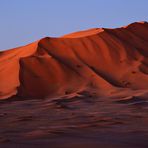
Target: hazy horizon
{"points": [[23, 22]]}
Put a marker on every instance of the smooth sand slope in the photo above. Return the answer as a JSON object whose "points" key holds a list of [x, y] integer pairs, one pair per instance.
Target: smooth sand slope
{"points": [[104, 59]]}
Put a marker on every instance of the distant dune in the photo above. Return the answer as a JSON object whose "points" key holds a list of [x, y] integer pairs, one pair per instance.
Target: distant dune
{"points": [[104, 60]]}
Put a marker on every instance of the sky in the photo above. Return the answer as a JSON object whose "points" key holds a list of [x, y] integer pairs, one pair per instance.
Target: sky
{"points": [[25, 21]]}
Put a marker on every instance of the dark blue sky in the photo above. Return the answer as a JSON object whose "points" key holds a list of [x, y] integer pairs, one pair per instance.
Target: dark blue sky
{"points": [[24, 21]]}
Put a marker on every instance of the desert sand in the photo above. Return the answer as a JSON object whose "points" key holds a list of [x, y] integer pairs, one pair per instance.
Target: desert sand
{"points": [[84, 89]]}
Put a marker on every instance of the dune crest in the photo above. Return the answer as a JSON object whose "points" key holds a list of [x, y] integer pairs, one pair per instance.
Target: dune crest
{"points": [[103, 59]]}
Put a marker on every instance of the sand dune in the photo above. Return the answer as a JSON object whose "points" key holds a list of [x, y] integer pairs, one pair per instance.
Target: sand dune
{"points": [[85, 89], [103, 59]]}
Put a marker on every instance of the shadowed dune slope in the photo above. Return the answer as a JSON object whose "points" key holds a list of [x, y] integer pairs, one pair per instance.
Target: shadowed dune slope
{"points": [[100, 59]]}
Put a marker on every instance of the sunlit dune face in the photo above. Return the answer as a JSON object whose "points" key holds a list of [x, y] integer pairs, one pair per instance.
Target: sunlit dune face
{"points": [[84, 33]]}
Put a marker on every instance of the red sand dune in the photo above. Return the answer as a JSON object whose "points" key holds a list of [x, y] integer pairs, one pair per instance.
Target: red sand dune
{"points": [[104, 59], [93, 87]]}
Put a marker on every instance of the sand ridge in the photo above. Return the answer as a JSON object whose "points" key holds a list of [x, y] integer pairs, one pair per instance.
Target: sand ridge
{"points": [[103, 59]]}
